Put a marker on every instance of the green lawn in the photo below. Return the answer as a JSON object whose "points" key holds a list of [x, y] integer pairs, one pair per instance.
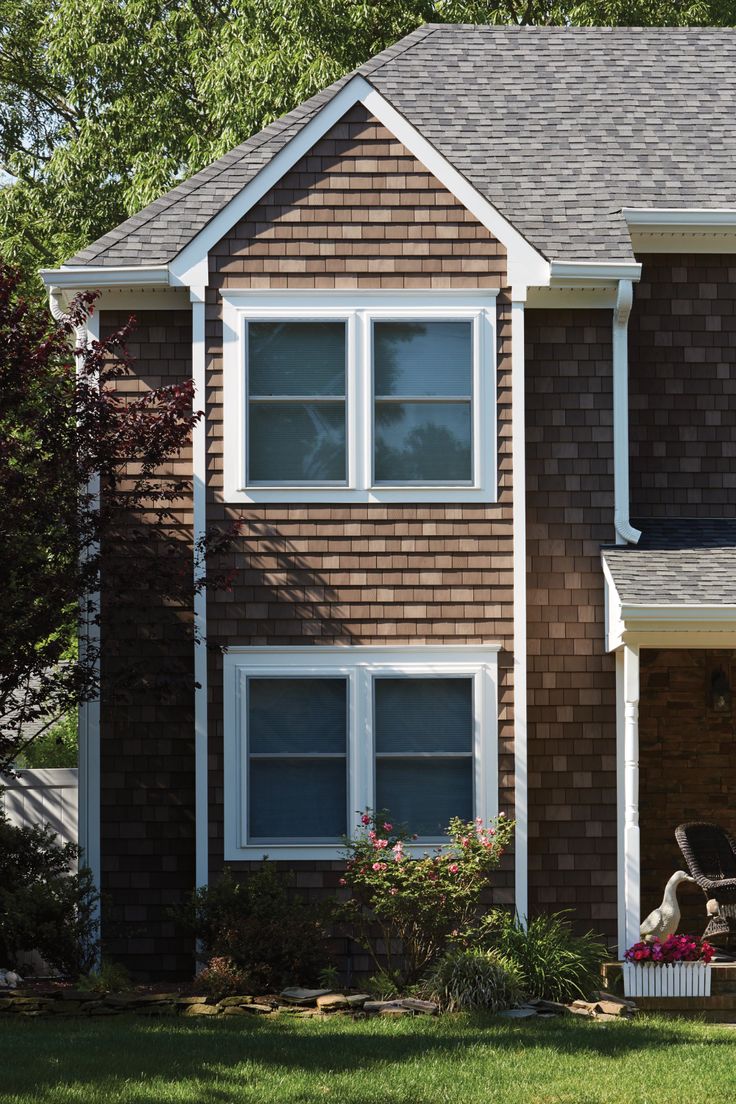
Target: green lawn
{"points": [[129, 1060]]}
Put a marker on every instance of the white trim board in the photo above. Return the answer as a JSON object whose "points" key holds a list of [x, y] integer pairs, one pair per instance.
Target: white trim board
{"points": [[359, 665], [358, 309]]}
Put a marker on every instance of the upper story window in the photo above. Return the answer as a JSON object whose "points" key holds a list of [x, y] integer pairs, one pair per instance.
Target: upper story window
{"points": [[334, 398]]}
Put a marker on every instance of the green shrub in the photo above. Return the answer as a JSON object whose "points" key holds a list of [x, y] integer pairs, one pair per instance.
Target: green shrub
{"points": [[222, 978], [466, 979], [266, 932], [56, 747], [112, 977], [404, 909], [555, 964], [45, 904]]}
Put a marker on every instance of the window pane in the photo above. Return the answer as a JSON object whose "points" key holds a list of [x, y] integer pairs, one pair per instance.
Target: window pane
{"points": [[296, 358], [297, 715], [434, 714], [427, 442], [303, 442], [297, 799], [422, 358], [425, 793]]}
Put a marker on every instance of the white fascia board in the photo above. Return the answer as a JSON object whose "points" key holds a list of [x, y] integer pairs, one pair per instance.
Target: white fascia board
{"points": [[567, 274], [687, 614], [90, 277], [683, 219], [526, 266], [614, 625]]}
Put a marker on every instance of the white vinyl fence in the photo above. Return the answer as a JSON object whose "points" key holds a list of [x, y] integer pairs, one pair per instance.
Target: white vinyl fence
{"points": [[48, 796]]}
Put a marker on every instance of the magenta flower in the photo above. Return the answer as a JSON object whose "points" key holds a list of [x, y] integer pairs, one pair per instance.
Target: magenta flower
{"points": [[365, 819], [453, 868], [388, 827]]}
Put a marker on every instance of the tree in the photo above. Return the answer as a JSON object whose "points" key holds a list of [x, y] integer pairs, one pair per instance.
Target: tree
{"points": [[97, 121], [62, 427]]}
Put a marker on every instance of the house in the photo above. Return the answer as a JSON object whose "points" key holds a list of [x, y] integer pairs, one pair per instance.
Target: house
{"points": [[464, 326]]}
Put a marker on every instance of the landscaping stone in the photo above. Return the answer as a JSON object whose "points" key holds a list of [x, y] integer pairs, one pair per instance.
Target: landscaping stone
{"points": [[379, 1006], [182, 1001], [78, 995], [395, 1012], [258, 1009], [518, 1013], [200, 1010], [332, 1002], [231, 1002], [357, 1000], [303, 996], [429, 1008], [235, 1010]]}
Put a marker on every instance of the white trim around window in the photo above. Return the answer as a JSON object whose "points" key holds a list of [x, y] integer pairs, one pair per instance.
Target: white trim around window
{"points": [[359, 310], [360, 666]]}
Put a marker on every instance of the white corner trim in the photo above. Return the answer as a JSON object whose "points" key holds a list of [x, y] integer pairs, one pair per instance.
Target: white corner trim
{"points": [[89, 277], [89, 725], [358, 309], [628, 706], [525, 264], [359, 665], [199, 528], [625, 532], [518, 449]]}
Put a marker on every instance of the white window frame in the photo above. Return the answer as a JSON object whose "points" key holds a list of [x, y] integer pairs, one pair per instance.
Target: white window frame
{"points": [[359, 309], [359, 665]]}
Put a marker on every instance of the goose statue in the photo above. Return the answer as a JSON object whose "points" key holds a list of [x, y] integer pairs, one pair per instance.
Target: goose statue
{"points": [[665, 919]]}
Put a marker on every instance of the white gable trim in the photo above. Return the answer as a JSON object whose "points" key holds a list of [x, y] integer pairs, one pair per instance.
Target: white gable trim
{"points": [[526, 266]]}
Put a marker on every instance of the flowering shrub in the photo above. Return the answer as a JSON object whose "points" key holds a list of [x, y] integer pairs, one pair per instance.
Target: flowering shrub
{"points": [[403, 910], [675, 948], [222, 978]]}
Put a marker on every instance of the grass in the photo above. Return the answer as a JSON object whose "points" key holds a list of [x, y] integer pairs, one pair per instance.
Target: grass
{"points": [[128, 1060]]}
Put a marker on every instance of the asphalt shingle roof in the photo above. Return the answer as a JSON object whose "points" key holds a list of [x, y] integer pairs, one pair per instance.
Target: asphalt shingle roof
{"points": [[559, 128], [680, 562]]}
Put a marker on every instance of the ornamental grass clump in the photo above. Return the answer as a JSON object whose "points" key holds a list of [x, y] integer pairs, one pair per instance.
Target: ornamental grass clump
{"points": [[403, 909], [555, 964], [467, 979]]}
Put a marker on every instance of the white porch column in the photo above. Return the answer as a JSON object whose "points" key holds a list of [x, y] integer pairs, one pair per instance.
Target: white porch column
{"points": [[199, 493], [631, 860]]}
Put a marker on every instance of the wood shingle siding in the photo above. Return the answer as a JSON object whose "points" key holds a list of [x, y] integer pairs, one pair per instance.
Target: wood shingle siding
{"points": [[682, 384], [147, 733], [360, 212], [571, 680]]}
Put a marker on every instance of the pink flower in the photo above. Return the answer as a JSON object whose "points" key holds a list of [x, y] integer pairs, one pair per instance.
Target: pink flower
{"points": [[387, 827], [453, 868], [380, 866], [379, 844], [371, 835], [342, 882], [393, 891], [479, 820], [398, 851], [365, 819]]}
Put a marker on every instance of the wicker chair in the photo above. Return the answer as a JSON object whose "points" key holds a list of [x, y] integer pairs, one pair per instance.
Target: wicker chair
{"points": [[710, 853]]}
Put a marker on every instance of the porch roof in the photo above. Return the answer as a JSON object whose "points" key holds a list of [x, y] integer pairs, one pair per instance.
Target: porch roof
{"points": [[682, 562]]}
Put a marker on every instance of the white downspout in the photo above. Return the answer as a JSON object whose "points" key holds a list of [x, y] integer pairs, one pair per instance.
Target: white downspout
{"points": [[518, 447], [625, 531]]}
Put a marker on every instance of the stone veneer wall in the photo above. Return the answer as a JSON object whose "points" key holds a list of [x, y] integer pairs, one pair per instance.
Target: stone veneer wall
{"points": [[360, 211], [147, 734], [682, 387], [572, 713], [686, 756]]}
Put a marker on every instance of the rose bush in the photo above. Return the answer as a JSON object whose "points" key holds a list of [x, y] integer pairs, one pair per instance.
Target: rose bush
{"points": [[404, 908], [675, 948]]}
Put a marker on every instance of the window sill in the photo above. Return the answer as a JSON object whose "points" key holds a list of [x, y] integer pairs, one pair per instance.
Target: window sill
{"points": [[351, 496]]}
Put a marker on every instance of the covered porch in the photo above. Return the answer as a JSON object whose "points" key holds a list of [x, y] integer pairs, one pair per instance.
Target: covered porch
{"points": [[671, 622]]}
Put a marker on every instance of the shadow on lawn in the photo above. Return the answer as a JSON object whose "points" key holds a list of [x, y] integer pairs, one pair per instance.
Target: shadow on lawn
{"points": [[101, 1057]]}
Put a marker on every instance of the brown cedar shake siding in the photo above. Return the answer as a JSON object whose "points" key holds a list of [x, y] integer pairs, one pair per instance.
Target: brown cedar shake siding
{"points": [[147, 733], [571, 680], [359, 211]]}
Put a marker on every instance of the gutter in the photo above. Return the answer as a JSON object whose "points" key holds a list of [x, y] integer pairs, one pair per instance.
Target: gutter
{"points": [[625, 531]]}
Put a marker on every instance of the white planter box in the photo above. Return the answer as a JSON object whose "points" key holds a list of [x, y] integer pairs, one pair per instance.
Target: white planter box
{"points": [[670, 979]]}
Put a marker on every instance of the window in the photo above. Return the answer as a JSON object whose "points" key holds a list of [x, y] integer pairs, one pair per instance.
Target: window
{"points": [[312, 735], [385, 398]]}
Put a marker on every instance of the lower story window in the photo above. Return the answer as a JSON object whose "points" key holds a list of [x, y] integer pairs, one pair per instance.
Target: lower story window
{"points": [[315, 735]]}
